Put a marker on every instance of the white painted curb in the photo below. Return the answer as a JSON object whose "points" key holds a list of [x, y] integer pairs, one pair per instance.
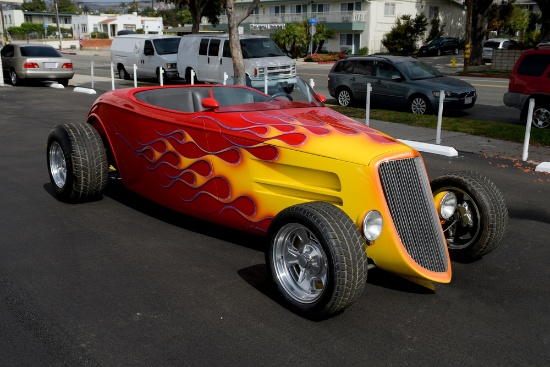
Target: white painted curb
{"points": [[84, 90], [431, 148], [543, 167]]}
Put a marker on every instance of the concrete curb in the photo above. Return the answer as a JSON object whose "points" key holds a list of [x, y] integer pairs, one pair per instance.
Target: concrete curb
{"points": [[543, 167], [431, 148], [84, 90]]}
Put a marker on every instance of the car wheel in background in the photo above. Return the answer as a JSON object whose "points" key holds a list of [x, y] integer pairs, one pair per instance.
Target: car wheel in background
{"points": [[77, 162], [343, 97], [419, 105], [480, 220], [122, 74], [541, 117], [317, 259], [455, 51], [14, 79]]}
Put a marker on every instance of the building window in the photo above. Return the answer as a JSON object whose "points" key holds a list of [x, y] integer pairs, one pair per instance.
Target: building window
{"points": [[389, 9], [84, 28], [277, 9], [297, 9], [323, 8], [129, 27], [28, 19], [347, 6], [346, 39], [433, 12]]}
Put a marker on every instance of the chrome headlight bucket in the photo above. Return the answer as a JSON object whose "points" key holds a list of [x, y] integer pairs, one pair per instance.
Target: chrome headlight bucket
{"points": [[372, 225], [445, 203]]}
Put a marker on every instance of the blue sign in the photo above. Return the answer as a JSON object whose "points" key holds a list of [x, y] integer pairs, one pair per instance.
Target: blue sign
{"points": [[45, 26], [313, 21]]}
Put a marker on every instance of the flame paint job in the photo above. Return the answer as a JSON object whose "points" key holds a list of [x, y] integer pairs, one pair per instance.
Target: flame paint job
{"points": [[241, 168]]}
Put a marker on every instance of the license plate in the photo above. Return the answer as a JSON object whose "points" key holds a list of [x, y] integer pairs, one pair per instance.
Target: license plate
{"points": [[50, 65], [467, 100]]}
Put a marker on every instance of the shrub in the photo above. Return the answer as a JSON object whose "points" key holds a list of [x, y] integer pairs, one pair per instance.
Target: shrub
{"points": [[332, 56], [363, 51]]}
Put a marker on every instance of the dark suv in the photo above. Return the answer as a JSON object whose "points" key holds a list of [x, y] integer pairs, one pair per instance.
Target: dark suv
{"points": [[440, 46], [398, 81], [530, 78]]}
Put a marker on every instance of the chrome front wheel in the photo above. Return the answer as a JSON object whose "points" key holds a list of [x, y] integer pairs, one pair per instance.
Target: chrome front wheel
{"points": [[419, 105], [541, 117]]}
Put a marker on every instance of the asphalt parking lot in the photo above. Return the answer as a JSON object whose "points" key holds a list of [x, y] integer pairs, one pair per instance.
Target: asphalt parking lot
{"points": [[123, 282]]}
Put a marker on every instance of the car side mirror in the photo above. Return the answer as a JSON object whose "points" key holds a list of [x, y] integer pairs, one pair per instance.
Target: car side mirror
{"points": [[210, 104]]}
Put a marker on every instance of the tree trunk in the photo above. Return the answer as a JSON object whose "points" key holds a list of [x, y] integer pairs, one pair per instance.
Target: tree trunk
{"points": [[196, 8], [479, 29], [544, 6]]}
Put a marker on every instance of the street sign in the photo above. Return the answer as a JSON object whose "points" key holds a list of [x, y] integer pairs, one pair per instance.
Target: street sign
{"points": [[313, 21], [45, 26]]}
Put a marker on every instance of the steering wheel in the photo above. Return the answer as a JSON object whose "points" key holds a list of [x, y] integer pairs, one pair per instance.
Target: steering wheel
{"points": [[280, 94]]}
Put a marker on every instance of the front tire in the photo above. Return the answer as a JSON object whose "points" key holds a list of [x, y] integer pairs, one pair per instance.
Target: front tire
{"points": [[77, 162], [541, 117], [317, 259], [344, 97], [481, 218], [419, 105]]}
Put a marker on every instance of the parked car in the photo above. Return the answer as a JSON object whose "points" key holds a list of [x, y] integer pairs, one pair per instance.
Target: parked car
{"points": [[151, 53], [496, 43], [209, 57], [329, 194], [22, 62], [530, 79], [440, 46], [398, 81]]}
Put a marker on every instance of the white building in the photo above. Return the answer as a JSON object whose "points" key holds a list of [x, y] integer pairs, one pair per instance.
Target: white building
{"points": [[357, 23], [84, 25]]}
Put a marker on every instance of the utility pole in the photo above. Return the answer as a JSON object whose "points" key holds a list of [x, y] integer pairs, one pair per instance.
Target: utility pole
{"points": [[4, 33], [57, 21], [468, 34]]}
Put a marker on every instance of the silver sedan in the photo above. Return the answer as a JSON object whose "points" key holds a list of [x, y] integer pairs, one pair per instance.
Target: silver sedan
{"points": [[35, 61]]}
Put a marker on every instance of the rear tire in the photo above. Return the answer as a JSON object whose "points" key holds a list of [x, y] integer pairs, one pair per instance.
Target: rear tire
{"points": [[14, 79], [122, 74], [77, 162], [64, 82]]}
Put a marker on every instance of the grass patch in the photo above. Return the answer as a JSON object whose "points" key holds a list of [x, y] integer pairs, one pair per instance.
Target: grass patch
{"points": [[488, 129]]}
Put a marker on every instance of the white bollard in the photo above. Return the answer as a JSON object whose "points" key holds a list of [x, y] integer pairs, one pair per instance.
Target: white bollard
{"points": [[161, 75], [225, 76], [367, 107], [265, 81], [192, 77], [92, 67], [135, 76], [439, 117], [2, 78], [312, 83], [112, 77], [528, 129]]}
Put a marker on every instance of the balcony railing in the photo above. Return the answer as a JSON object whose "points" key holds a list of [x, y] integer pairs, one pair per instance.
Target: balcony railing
{"points": [[285, 18]]}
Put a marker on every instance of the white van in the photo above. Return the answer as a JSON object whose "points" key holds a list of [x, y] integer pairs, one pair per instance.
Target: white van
{"points": [[149, 52], [209, 56]]}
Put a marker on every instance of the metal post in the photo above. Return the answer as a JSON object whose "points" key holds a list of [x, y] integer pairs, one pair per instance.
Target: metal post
{"points": [[58, 28], [1, 79], [112, 77], [161, 75], [468, 33], [135, 76], [367, 107], [192, 77], [312, 83], [265, 81], [92, 63], [439, 117], [225, 76], [528, 129]]}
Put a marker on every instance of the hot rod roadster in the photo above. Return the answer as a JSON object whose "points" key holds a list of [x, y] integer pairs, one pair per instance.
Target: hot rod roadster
{"points": [[332, 196]]}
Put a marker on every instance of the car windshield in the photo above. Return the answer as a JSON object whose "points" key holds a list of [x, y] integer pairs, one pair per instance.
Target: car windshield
{"points": [[254, 48], [290, 93], [39, 51], [491, 44], [167, 45], [417, 70]]}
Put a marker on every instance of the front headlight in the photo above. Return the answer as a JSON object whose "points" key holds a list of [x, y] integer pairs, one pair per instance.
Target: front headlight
{"points": [[446, 204], [171, 66], [436, 93], [372, 225]]}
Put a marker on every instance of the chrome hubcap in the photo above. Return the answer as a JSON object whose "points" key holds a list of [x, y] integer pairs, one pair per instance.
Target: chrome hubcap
{"points": [[300, 263], [13, 78], [418, 106], [541, 118], [58, 165], [344, 98]]}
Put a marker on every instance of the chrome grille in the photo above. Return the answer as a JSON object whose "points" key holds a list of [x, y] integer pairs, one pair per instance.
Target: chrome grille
{"points": [[411, 205], [281, 70]]}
